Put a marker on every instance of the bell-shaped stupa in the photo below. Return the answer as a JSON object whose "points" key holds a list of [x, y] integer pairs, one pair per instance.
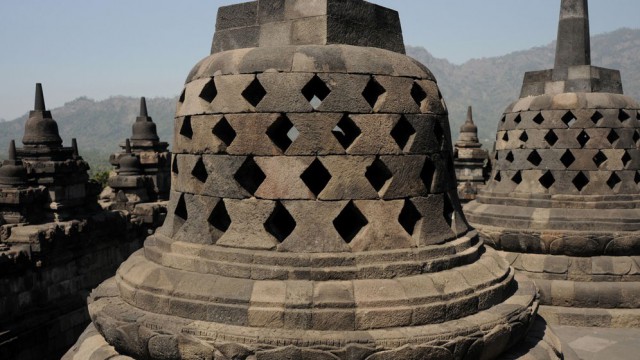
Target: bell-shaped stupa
{"points": [[470, 160], [563, 202], [314, 212]]}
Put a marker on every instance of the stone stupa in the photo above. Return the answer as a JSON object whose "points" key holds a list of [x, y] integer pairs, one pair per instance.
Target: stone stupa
{"points": [[563, 202], [154, 163], [470, 160], [314, 212]]}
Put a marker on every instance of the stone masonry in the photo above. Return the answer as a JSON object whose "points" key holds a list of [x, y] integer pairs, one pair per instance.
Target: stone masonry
{"points": [[563, 202], [56, 243], [470, 160], [314, 211], [153, 181]]}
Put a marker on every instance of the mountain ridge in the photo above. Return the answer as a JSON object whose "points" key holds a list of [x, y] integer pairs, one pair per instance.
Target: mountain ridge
{"points": [[488, 84]]}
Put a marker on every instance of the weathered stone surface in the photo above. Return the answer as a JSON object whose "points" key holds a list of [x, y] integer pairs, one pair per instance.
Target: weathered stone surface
{"points": [[317, 217]]}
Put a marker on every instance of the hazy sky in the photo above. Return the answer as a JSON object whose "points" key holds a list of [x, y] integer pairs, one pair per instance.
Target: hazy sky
{"points": [[100, 48]]}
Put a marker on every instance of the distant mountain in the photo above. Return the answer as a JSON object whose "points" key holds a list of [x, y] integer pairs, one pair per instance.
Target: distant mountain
{"points": [[488, 84], [99, 126]]}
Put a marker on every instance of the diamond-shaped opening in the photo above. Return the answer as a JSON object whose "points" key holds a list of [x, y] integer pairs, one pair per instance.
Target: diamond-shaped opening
{"points": [[418, 94], [567, 158], [498, 177], [280, 223], [538, 119], [209, 91], [316, 177], [599, 158], [224, 131], [583, 138], [448, 211], [612, 137], [219, 217], [636, 178], [547, 180], [524, 137], [200, 171], [182, 96], [186, 130], [517, 177], [254, 93], [517, 119], [250, 176], [281, 131], [613, 181], [623, 116], [427, 173], [597, 116], [626, 158], [510, 157], [580, 181], [346, 131], [181, 209], [438, 132], [409, 217], [174, 165], [350, 222], [403, 132], [504, 118], [569, 119], [551, 138], [316, 91], [505, 137], [636, 136], [534, 158], [378, 174], [372, 92]]}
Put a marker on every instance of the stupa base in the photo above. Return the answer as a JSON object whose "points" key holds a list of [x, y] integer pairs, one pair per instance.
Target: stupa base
{"points": [[145, 335]]}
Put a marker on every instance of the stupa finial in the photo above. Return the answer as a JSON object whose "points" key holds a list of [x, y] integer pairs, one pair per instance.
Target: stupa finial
{"points": [[574, 42], [12, 151], [127, 146], [470, 115], [143, 108], [39, 102]]}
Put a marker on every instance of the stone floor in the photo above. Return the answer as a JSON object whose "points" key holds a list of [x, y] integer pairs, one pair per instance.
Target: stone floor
{"points": [[600, 343]]}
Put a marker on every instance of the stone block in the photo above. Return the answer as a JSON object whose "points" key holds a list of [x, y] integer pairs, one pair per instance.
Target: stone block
{"points": [[284, 92], [247, 230], [397, 97], [237, 38], [237, 16], [376, 135], [287, 184], [220, 180], [346, 93], [378, 234], [315, 134], [348, 180], [406, 178], [383, 318], [334, 294], [314, 231], [334, 320], [309, 31], [251, 134], [229, 97], [275, 34], [435, 229], [433, 103]]}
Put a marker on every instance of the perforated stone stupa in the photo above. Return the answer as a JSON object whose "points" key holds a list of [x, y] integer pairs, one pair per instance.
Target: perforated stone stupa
{"points": [[563, 201], [151, 180], [314, 212]]}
